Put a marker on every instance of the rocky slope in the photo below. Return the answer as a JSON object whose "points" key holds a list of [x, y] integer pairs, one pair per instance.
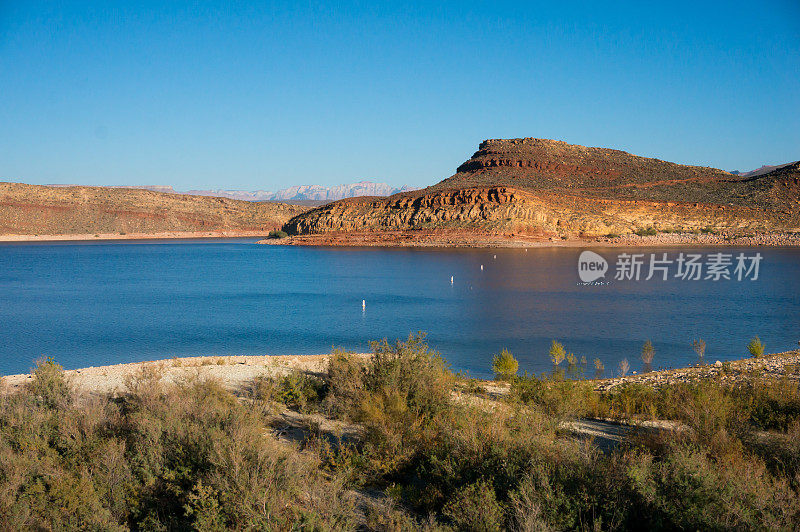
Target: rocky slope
{"points": [[43, 210], [551, 188]]}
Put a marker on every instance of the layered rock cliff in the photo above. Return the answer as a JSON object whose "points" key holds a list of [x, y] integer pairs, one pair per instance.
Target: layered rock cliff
{"points": [[42, 210], [546, 187]]}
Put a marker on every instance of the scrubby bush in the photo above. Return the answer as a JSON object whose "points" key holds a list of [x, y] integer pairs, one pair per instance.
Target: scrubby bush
{"points": [[557, 352], [648, 353], [504, 365], [50, 385], [192, 455], [599, 367], [277, 234], [185, 456], [475, 508], [699, 347], [755, 347], [345, 384], [650, 231], [688, 489], [623, 367]]}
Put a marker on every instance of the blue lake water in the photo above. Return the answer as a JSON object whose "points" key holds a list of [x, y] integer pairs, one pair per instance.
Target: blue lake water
{"points": [[109, 302]]}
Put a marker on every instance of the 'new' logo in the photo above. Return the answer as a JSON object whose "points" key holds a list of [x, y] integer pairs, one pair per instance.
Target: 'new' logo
{"points": [[591, 266]]}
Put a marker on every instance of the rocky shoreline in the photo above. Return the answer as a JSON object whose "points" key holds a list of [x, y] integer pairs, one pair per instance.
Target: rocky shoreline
{"points": [[465, 239], [236, 371], [786, 364]]}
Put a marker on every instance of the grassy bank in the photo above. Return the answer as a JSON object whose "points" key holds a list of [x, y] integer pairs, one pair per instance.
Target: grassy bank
{"points": [[429, 450]]}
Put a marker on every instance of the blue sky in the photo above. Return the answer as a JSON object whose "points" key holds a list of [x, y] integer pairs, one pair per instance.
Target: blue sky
{"points": [[246, 96]]}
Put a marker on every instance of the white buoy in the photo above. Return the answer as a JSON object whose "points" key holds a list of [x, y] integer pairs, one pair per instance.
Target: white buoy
{"points": [[494, 257], [451, 279], [526, 250], [363, 304], [481, 267]]}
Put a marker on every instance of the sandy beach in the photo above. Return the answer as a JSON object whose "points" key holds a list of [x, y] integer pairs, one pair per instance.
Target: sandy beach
{"points": [[234, 372]]}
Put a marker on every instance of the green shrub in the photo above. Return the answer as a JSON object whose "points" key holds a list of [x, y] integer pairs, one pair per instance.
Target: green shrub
{"points": [[49, 384], [277, 234], [192, 455], [555, 397], [690, 490], [184, 456], [345, 384], [557, 352], [504, 365], [395, 395], [755, 347], [650, 231], [475, 508], [412, 371]]}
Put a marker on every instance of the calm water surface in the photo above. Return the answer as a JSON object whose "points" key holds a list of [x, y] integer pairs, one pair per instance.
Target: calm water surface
{"points": [[102, 303]]}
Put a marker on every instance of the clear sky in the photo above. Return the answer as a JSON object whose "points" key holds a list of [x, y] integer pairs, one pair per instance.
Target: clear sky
{"points": [[263, 96]]}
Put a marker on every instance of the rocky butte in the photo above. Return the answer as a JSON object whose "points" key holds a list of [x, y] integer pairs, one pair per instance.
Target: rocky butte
{"points": [[539, 189]]}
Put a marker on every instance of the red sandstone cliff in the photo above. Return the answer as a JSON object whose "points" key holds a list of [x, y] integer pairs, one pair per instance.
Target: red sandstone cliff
{"points": [[547, 187]]}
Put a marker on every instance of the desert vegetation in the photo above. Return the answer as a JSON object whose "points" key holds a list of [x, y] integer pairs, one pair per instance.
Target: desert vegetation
{"points": [[756, 347], [429, 449]]}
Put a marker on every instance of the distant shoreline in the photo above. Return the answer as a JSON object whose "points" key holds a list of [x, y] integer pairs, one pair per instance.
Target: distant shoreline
{"points": [[417, 238], [434, 239], [167, 235]]}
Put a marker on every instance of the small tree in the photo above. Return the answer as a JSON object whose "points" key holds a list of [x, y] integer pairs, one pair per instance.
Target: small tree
{"points": [[755, 347], [598, 368], [648, 352], [624, 366], [557, 353], [504, 365], [572, 365], [699, 347]]}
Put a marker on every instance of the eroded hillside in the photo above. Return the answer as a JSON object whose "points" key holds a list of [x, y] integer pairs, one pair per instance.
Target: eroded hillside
{"points": [[41, 210], [545, 187]]}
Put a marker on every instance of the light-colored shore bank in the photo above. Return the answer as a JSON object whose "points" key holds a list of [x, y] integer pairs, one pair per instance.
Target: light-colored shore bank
{"points": [[232, 371], [237, 371], [422, 239], [134, 236]]}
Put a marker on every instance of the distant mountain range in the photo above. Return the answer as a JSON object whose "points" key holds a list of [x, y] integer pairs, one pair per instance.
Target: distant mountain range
{"points": [[759, 171], [313, 193]]}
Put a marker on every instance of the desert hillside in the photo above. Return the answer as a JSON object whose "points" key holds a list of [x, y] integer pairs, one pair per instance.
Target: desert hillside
{"points": [[42, 210], [551, 188]]}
